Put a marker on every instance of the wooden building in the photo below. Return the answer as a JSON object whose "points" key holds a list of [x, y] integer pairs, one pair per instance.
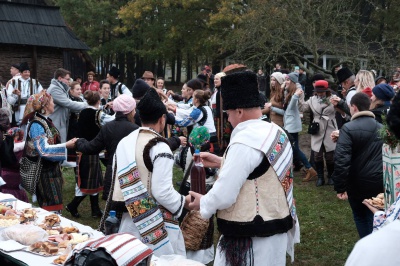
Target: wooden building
{"points": [[33, 32]]}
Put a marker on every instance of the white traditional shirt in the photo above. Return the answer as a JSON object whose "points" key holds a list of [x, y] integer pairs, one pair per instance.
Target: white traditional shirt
{"points": [[164, 193], [266, 250], [25, 93]]}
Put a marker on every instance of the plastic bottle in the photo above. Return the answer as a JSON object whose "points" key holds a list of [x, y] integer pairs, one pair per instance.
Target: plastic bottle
{"points": [[111, 224], [197, 175]]}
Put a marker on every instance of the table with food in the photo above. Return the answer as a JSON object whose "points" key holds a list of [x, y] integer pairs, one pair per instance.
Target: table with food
{"points": [[30, 234], [34, 236]]}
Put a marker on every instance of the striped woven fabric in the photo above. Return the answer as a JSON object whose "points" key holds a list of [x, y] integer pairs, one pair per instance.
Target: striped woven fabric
{"points": [[141, 206], [124, 248]]}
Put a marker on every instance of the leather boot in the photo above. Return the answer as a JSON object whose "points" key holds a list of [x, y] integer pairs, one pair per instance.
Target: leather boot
{"points": [[94, 205], [72, 207], [310, 174], [330, 166], [320, 172]]}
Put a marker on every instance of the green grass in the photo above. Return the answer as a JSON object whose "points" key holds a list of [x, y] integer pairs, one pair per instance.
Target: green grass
{"points": [[328, 233]]}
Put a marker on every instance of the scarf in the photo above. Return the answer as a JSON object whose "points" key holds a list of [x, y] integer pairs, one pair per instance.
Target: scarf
{"points": [[142, 207]]}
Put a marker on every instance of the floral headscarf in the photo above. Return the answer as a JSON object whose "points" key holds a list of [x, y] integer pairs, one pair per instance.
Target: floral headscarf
{"points": [[16, 132], [36, 103]]}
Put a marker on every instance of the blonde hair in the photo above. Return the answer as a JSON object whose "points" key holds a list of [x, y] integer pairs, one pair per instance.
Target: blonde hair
{"points": [[365, 80]]}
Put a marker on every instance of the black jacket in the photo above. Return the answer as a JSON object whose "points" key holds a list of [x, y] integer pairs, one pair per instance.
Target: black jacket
{"points": [[380, 112], [108, 138], [358, 158]]}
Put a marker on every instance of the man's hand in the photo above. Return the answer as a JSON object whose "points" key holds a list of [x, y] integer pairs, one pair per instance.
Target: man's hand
{"points": [[210, 160], [109, 104], [334, 100], [170, 92], [195, 203], [370, 207], [183, 140], [17, 92], [170, 106], [71, 143], [342, 196], [188, 199], [335, 135]]}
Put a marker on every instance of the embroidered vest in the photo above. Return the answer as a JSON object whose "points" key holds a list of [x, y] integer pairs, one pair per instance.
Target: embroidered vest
{"points": [[52, 134], [261, 208], [149, 235]]}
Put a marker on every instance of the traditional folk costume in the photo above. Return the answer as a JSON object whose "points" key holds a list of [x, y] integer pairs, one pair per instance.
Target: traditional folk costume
{"points": [[253, 198], [108, 139], [27, 87], [88, 175], [142, 192], [43, 139], [117, 88], [73, 129]]}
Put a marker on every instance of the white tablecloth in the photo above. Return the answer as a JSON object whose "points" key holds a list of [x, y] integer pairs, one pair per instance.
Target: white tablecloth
{"points": [[33, 259]]}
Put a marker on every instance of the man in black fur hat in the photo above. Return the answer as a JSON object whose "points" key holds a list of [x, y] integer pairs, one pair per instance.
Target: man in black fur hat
{"points": [[253, 198], [143, 183], [116, 87]]}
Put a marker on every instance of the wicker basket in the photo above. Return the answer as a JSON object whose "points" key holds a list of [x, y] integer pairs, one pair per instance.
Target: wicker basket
{"points": [[194, 228]]}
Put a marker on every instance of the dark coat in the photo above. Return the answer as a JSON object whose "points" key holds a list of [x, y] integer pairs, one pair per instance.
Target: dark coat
{"points": [[380, 112], [108, 138], [358, 158]]}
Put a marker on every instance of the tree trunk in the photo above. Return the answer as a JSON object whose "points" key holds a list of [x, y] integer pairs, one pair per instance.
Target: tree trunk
{"points": [[173, 63], [179, 67], [130, 69]]}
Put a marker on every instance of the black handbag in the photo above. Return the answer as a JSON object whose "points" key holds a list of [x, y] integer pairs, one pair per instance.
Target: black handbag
{"points": [[313, 128], [7, 156]]}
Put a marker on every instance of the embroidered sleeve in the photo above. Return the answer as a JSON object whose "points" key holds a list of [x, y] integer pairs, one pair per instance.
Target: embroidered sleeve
{"points": [[54, 153], [166, 155], [125, 90], [381, 219], [103, 118], [162, 187], [191, 119]]}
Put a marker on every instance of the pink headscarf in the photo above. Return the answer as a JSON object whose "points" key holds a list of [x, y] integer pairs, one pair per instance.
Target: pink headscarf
{"points": [[124, 104]]}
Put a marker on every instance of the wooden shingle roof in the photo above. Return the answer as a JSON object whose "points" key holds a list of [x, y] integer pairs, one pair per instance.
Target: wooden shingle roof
{"points": [[36, 25]]}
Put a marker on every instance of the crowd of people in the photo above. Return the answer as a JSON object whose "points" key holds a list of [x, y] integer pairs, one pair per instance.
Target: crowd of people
{"points": [[139, 133]]}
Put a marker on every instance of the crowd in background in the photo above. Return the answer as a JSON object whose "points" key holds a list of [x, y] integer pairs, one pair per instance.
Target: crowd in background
{"points": [[75, 124]]}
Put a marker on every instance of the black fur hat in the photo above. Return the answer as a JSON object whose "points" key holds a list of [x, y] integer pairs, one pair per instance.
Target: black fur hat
{"points": [[114, 72], [139, 89], [151, 107], [343, 74], [240, 90]]}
